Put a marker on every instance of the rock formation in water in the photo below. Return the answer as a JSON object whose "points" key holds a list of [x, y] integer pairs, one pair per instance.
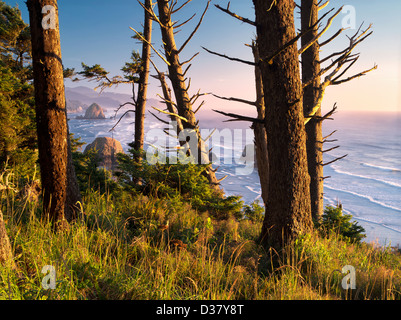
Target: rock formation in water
{"points": [[107, 150]]}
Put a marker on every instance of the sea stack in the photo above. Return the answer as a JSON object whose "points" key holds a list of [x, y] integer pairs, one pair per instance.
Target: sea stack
{"points": [[94, 112], [107, 150]]}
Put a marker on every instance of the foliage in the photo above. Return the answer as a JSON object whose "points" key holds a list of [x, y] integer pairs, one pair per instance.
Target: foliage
{"points": [[17, 114], [254, 212], [87, 170], [177, 182], [334, 220]]}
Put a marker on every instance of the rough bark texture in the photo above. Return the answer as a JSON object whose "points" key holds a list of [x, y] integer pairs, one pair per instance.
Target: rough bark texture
{"points": [[50, 110], [310, 70], [262, 159], [6, 256], [288, 204], [176, 75], [143, 81]]}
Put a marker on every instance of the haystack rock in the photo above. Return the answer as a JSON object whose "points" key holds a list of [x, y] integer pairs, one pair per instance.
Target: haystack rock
{"points": [[94, 112], [107, 150]]}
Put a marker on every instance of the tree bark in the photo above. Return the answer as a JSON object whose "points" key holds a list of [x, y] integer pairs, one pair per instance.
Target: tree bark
{"points": [[288, 205], [310, 72], [6, 256], [143, 80], [262, 157], [50, 110], [176, 75]]}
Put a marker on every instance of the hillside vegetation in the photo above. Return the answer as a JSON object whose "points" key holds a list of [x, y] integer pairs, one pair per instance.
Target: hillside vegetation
{"points": [[163, 241]]}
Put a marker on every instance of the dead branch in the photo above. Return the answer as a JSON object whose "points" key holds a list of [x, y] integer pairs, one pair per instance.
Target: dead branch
{"points": [[195, 30], [331, 149], [229, 58], [119, 120], [252, 103], [232, 14], [188, 61], [337, 159], [238, 117], [328, 136], [328, 25], [153, 48]]}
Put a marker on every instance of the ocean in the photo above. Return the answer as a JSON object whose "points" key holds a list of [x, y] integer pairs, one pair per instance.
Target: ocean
{"points": [[367, 182]]}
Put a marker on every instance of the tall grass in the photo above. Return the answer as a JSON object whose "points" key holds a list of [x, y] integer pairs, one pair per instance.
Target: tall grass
{"points": [[120, 251]]}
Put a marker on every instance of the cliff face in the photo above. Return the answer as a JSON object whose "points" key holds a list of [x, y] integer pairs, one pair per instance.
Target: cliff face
{"points": [[94, 112], [107, 149]]}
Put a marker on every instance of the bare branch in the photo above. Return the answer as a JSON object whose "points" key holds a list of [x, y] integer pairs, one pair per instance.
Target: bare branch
{"points": [[171, 114], [119, 120], [179, 8], [252, 103], [195, 30], [328, 136], [354, 77], [239, 117], [324, 5], [337, 159], [230, 58], [181, 24], [328, 25], [188, 61], [331, 149], [156, 51], [333, 37], [253, 23]]}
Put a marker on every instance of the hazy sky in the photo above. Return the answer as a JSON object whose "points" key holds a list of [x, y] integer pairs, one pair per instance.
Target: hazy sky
{"points": [[97, 31]]}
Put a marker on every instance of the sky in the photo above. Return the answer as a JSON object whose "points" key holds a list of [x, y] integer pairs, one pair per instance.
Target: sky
{"points": [[97, 31]]}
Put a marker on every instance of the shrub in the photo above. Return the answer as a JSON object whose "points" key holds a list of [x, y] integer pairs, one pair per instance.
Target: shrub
{"points": [[177, 182], [334, 220]]}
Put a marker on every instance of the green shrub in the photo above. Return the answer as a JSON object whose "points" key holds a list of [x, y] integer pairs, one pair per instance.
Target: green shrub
{"points": [[334, 220], [254, 212], [177, 182]]}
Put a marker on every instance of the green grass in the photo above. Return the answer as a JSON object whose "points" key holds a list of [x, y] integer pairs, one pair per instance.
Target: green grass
{"points": [[119, 252]]}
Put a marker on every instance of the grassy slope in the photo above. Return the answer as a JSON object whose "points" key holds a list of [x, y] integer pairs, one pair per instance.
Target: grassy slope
{"points": [[120, 252]]}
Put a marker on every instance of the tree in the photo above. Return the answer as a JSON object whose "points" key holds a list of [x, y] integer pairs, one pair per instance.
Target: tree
{"points": [[310, 71], [143, 79], [288, 210], [313, 68], [136, 72], [183, 104], [51, 117]]}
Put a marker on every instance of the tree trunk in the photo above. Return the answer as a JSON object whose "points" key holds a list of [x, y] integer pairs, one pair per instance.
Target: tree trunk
{"points": [[143, 81], [176, 75], [288, 204], [310, 70], [50, 110], [6, 256], [262, 157]]}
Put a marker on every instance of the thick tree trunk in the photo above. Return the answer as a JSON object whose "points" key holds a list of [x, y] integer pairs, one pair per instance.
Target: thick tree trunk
{"points": [[288, 204], [6, 256], [143, 81], [50, 110], [310, 70], [176, 75]]}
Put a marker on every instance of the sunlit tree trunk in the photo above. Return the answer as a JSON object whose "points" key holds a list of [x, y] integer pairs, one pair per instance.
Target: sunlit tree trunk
{"points": [[143, 80], [51, 114], [310, 74], [288, 204]]}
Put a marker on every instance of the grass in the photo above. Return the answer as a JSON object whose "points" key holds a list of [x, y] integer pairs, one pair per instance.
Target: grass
{"points": [[120, 252]]}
